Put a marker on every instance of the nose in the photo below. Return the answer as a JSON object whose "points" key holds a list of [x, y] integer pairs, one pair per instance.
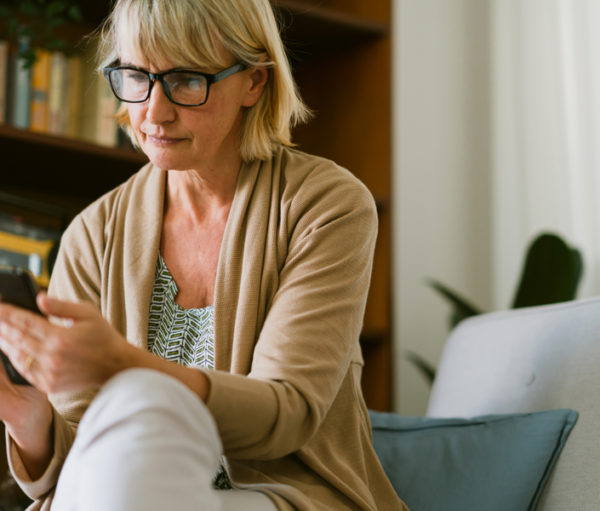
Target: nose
{"points": [[158, 107]]}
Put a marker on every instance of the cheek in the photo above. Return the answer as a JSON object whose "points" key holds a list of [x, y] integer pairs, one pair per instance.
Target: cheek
{"points": [[136, 115]]}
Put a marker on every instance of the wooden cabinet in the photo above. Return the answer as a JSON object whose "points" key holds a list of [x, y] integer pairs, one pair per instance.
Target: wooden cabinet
{"points": [[340, 50]]}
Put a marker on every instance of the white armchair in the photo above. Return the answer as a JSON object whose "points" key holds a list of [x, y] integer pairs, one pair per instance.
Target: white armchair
{"points": [[529, 360]]}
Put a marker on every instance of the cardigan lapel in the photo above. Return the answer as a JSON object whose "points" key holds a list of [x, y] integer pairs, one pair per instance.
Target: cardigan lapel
{"points": [[247, 265], [141, 227]]}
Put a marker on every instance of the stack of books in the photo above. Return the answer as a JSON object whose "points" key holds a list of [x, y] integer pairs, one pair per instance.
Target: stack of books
{"points": [[60, 95], [28, 244]]}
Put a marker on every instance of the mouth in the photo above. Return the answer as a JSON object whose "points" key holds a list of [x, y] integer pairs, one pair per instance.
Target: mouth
{"points": [[163, 141]]}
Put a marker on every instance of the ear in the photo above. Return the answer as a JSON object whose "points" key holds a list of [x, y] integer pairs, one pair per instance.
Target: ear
{"points": [[258, 78]]}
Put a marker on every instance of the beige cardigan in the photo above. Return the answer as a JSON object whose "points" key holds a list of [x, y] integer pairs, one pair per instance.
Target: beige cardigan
{"points": [[291, 288]]}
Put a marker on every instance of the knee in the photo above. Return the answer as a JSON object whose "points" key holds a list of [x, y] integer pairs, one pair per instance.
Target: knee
{"points": [[144, 437], [152, 398]]}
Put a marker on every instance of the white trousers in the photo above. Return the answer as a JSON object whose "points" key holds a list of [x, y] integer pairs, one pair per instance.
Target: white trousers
{"points": [[147, 443]]}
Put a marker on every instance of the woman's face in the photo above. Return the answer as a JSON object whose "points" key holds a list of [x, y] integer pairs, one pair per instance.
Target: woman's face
{"points": [[199, 138]]}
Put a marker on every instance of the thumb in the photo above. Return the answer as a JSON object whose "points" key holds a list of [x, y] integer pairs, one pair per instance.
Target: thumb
{"points": [[63, 309]]}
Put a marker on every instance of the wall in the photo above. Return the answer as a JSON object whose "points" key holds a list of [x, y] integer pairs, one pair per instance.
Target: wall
{"points": [[441, 175]]}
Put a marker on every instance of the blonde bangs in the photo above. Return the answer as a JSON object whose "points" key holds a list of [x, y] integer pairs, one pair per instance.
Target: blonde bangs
{"points": [[168, 34]]}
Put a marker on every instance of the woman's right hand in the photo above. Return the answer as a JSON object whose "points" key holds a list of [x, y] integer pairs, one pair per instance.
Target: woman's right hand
{"points": [[28, 417]]}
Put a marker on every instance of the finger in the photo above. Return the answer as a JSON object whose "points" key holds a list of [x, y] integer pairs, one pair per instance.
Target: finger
{"points": [[63, 309], [24, 321], [15, 342], [20, 359]]}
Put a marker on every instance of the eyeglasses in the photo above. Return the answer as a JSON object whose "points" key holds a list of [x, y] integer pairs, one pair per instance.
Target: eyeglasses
{"points": [[181, 86]]}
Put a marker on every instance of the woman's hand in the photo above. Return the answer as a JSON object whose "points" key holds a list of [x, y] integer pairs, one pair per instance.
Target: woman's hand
{"points": [[79, 351]]}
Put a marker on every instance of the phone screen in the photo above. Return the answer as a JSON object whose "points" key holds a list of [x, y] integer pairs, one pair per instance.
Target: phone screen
{"points": [[17, 287]]}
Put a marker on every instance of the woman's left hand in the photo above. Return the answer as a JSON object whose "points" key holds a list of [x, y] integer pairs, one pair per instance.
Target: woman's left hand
{"points": [[80, 351]]}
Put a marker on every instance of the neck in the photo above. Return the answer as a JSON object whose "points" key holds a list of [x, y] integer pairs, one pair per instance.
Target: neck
{"points": [[199, 197]]}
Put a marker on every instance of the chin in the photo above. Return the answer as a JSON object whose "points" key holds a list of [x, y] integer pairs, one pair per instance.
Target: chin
{"points": [[163, 160]]}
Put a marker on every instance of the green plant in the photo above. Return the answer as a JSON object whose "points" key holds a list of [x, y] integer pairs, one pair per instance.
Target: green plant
{"points": [[33, 23], [551, 273]]}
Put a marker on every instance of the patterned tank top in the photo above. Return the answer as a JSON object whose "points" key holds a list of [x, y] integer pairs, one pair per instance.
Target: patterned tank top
{"points": [[185, 336]]}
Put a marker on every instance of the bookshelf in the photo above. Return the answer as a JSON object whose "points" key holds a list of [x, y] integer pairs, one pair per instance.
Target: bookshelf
{"points": [[340, 50]]}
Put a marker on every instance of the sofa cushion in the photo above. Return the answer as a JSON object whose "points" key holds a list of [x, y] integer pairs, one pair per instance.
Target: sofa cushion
{"points": [[487, 463]]}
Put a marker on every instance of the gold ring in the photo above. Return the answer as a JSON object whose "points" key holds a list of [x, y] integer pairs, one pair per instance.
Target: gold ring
{"points": [[28, 362]]}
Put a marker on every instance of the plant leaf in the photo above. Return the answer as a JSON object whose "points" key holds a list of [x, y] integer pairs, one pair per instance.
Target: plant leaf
{"points": [[29, 9], [55, 8], [75, 13], [5, 11], [462, 309], [424, 367], [13, 26], [551, 272]]}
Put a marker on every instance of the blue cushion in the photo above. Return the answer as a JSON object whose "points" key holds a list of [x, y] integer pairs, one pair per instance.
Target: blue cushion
{"points": [[489, 463]]}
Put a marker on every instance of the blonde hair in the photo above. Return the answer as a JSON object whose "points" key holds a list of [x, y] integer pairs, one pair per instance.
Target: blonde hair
{"points": [[194, 33]]}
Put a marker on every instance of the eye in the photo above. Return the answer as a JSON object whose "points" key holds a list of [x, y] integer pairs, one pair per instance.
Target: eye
{"points": [[192, 82], [195, 83], [134, 76]]}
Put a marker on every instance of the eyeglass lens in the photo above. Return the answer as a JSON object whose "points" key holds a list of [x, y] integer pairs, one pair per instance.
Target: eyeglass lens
{"points": [[183, 87]]}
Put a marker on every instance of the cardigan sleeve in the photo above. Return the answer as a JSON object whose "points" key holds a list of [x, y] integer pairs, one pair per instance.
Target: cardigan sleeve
{"points": [[311, 330], [44, 485], [74, 278]]}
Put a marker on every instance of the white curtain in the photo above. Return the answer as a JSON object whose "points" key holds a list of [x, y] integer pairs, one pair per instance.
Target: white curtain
{"points": [[545, 156]]}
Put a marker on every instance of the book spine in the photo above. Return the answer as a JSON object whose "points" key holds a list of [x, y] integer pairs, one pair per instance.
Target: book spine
{"points": [[107, 127], [74, 98], [3, 79], [89, 108], [20, 89], [40, 90], [57, 97]]}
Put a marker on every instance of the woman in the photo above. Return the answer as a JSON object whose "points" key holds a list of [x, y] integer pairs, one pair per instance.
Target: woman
{"points": [[212, 304]]}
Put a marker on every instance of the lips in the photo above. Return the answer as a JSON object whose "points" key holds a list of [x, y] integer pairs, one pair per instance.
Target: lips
{"points": [[162, 140]]}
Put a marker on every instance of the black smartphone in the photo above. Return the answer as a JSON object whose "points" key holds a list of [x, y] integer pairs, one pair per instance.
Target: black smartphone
{"points": [[17, 287]]}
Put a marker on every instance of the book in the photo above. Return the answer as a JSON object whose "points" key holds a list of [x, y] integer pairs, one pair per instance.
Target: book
{"points": [[74, 99], [107, 129], [57, 97], [19, 87], [3, 79], [27, 253], [40, 92], [99, 124], [28, 246]]}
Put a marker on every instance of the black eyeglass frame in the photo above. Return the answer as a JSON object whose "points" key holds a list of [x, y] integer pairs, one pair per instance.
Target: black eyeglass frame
{"points": [[159, 77]]}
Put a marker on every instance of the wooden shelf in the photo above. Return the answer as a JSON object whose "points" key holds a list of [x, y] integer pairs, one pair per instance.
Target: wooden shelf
{"points": [[308, 27], [62, 165], [69, 144], [310, 30]]}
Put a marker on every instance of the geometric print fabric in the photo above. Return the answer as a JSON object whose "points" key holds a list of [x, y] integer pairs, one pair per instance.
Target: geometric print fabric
{"points": [[185, 336]]}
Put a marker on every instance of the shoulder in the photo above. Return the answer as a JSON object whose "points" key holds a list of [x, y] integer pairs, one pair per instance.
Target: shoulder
{"points": [[319, 184], [302, 169], [105, 210]]}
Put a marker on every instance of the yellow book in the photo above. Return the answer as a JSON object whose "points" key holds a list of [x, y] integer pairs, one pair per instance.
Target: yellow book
{"points": [[99, 125], [40, 90], [57, 94], [107, 129], [74, 96], [33, 254]]}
